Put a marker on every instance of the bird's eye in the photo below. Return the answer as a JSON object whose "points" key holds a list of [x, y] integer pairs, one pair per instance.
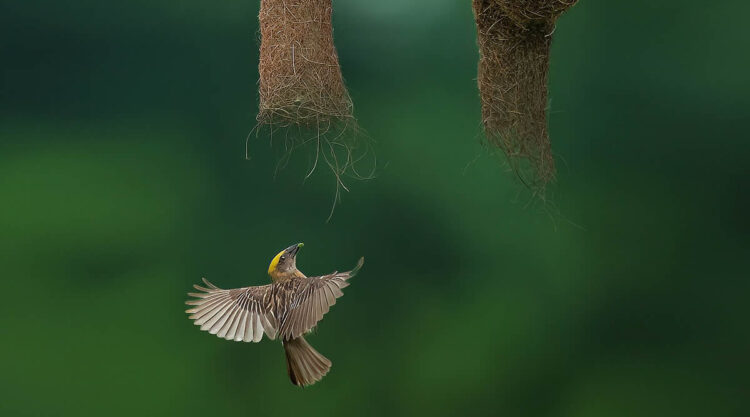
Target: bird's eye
{"points": [[283, 257]]}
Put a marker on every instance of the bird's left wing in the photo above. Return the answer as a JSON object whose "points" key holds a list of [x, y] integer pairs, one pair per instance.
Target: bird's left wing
{"points": [[240, 314], [310, 299]]}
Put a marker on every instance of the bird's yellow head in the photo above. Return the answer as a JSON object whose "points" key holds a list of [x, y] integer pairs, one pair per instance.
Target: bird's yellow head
{"points": [[285, 263]]}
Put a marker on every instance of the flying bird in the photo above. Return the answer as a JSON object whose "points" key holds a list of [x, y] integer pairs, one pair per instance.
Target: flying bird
{"points": [[287, 308]]}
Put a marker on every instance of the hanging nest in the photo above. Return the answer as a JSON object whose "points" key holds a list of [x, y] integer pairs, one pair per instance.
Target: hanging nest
{"points": [[514, 38], [303, 99]]}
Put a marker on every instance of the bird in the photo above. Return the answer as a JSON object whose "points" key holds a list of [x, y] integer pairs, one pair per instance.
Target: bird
{"points": [[286, 309]]}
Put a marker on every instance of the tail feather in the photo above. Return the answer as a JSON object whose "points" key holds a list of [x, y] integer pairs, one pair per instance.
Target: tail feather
{"points": [[304, 364]]}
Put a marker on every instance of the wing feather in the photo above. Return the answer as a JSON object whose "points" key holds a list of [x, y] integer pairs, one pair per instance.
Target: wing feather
{"points": [[239, 322], [211, 286], [240, 334], [211, 312], [227, 322], [229, 335], [250, 327], [209, 325], [201, 309]]}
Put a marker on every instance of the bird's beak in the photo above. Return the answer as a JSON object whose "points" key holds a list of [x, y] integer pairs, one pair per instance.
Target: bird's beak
{"points": [[292, 250]]}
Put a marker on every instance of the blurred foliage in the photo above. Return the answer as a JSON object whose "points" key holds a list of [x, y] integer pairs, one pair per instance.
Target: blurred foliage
{"points": [[123, 181]]}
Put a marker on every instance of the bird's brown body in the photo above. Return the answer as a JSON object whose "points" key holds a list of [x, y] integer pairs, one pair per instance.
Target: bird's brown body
{"points": [[286, 309]]}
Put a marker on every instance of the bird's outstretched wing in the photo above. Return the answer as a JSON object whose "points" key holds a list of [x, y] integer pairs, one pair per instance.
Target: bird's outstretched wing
{"points": [[310, 299], [240, 314]]}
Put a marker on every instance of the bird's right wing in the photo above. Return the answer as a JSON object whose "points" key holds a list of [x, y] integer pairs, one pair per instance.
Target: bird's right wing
{"points": [[240, 314], [309, 299]]}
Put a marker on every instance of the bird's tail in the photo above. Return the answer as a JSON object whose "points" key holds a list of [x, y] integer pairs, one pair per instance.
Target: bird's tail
{"points": [[305, 365]]}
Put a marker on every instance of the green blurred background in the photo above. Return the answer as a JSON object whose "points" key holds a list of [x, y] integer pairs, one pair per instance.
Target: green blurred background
{"points": [[123, 181]]}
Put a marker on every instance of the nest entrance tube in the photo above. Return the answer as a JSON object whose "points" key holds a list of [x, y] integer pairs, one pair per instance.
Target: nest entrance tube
{"points": [[303, 99], [514, 38]]}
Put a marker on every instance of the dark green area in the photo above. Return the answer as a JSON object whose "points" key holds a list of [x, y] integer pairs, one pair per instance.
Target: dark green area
{"points": [[123, 182]]}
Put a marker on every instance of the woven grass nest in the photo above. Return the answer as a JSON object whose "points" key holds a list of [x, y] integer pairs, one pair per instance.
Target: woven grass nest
{"points": [[303, 99], [514, 39]]}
